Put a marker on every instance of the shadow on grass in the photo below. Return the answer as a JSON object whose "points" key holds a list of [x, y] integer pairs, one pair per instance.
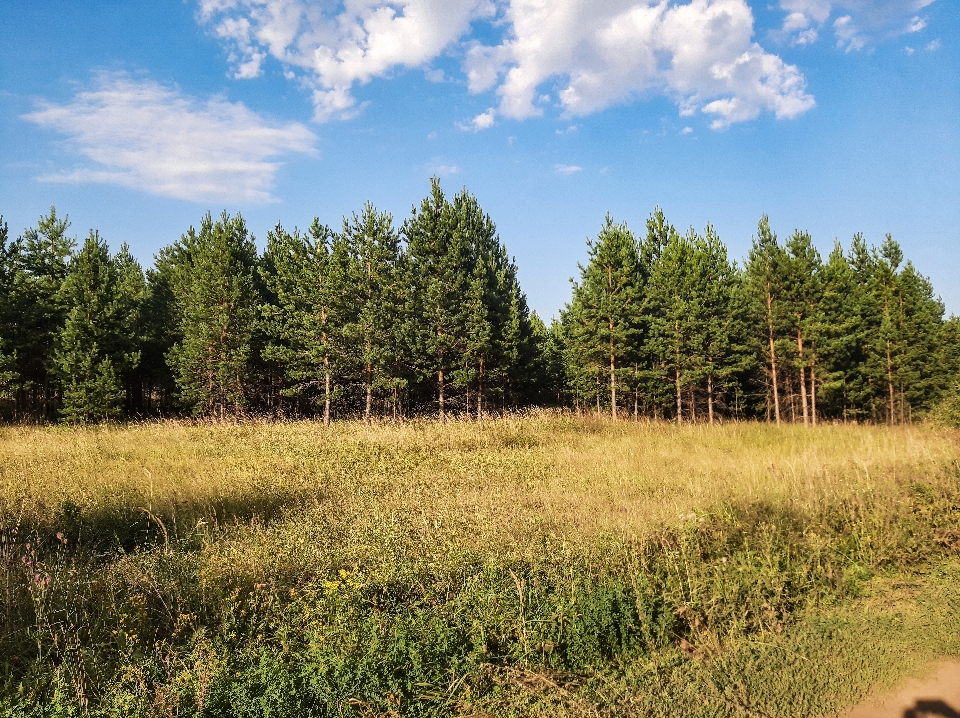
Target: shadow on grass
{"points": [[125, 527]]}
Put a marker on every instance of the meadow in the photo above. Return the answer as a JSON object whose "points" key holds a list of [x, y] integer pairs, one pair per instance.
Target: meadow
{"points": [[532, 566]]}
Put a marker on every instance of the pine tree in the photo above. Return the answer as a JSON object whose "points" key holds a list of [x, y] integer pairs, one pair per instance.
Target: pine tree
{"points": [[375, 300], [920, 320], [438, 276], [679, 331], [309, 276], [802, 296], [603, 314], [39, 264], [8, 301], [216, 301], [498, 335], [839, 349], [723, 350], [764, 280], [97, 346]]}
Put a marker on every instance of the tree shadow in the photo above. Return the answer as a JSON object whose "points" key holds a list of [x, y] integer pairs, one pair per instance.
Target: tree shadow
{"points": [[930, 709]]}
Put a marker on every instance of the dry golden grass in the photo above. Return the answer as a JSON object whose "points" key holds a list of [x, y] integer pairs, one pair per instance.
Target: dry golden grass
{"points": [[578, 477]]}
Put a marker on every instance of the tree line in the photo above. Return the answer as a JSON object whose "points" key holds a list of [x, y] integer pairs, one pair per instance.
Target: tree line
{"points": [[428, 318]]}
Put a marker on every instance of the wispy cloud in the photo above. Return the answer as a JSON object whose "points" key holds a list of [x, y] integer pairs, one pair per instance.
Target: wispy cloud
{"points": [[567, 169], [146, 136], [441, 168], [856, 23]]}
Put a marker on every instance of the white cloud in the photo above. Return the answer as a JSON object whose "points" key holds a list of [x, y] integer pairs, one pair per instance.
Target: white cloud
{"points": [[150, 137], [686, 131], [441, 169], [334, 50], [909, 50], [483, 121], [700, 53], [856, 22], [567, 169], [933, 46]]}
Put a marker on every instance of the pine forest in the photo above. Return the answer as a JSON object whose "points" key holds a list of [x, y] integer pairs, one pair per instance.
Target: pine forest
{"points": [[373, 320]]}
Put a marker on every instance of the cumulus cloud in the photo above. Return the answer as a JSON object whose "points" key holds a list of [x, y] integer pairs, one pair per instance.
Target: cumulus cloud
{"points": [[700, 53], [855, 22], [335, 49], [154, 138], [485, 119], [567, 169]]}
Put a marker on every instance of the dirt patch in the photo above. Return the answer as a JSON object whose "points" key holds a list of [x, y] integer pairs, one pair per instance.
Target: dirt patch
{"points": [[937, 696]]}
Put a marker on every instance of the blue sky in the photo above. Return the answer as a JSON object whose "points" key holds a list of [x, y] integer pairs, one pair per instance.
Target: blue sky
{"points": [[834, 116]]}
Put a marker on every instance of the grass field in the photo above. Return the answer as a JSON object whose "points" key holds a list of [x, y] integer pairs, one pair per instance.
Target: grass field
{"points": [[531, 566]]}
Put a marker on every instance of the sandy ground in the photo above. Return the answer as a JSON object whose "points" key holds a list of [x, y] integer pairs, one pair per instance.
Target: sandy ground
{"points": [[937, 696]]}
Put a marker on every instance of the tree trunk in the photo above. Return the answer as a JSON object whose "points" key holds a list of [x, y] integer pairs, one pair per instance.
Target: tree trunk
{"points": [[803, 378], [480, 392], [613, 381], [394, 404], [676, 370], [326, 392], [443, 415], [693, 406], [773, 356], [710, 398], [679, 400], [366, 414], [813, 389], [792, 399], [890, 384]]}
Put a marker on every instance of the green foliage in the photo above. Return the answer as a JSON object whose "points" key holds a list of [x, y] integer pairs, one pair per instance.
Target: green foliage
{"points": [[429, 317], [97, 347], [603, 316], [216, 299], [36, 266]]}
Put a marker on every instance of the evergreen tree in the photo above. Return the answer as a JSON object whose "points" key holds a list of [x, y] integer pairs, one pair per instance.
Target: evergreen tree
{"points": [[764, 283], [498, 344], [802, 290], [215, 294], [97, 346], [839, 346], [720, 302], [38, 264], [375, 300], [438, 276], [8, 300], [602, 317], [692, 297], [920, 321], [309, 275]]}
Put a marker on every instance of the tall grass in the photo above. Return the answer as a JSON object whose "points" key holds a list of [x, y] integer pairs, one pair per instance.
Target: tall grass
{"points": [[427, 569]]}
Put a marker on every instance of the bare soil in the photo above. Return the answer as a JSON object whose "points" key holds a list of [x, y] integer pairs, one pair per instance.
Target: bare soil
{"points": [[936, 696]]}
